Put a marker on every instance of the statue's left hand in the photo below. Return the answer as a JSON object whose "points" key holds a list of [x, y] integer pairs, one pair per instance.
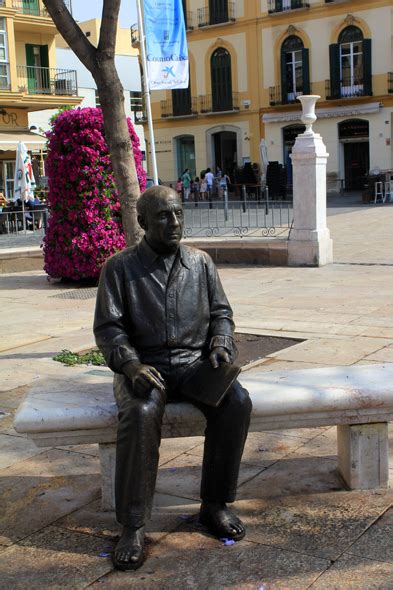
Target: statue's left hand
{"points": [[219, 356]]}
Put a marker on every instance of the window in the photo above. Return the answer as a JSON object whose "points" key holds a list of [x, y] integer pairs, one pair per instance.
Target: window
{"points": [[218, 10], [136, 106], [4, 68], [350, 65], [221, 80], [294, 69]]}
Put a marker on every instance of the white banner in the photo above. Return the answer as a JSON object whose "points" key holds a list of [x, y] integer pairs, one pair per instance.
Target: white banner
{"points": [[166, 44]]}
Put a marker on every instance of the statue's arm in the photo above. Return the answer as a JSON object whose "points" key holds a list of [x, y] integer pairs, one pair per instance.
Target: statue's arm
{"points": [[222, 327], [109, 319]]}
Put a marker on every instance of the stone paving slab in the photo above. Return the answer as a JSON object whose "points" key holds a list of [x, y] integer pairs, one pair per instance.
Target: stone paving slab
{"points": [[355, 573]]}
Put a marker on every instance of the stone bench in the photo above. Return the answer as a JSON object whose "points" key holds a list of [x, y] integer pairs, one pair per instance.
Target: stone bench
{"points": [[357, 399]]}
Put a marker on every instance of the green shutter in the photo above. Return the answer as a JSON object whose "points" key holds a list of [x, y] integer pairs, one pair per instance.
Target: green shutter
{"points": [[30, 69], [284, 90], [278, 7], [334, 55], [367, 77], [306, 71]]}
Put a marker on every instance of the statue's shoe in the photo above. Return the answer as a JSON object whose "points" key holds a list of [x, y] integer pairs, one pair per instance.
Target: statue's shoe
{"points": [[222, 523], [129, 553]]}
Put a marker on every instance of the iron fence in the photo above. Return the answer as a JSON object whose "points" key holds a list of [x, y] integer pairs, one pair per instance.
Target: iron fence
{"points": [[228, 218], [346, 90], [55, 81], [189, 20], [216, 16], [284, 5], [22, 221], [179, 108], [276, 97], [218, 104]]}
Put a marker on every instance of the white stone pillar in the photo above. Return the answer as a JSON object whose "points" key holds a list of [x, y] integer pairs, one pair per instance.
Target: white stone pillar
{"points": [[309, 242]]}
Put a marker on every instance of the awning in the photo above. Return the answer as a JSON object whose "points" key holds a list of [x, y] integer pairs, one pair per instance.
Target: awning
{"points": [[9, 141]]}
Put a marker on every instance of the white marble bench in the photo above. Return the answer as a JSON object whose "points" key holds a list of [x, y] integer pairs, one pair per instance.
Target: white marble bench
{"points": [[358, 399]]}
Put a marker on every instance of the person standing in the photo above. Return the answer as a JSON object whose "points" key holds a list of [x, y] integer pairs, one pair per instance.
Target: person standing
{"points": [[210, 185], [186, 179]]}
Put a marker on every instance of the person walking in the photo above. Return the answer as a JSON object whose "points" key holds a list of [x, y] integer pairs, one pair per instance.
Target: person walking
{"points": [[186, 179]]}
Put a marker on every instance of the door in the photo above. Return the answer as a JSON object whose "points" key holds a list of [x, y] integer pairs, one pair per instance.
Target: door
{"points": [[181, 102], [37, 62], [218, 11], [225, 151], [356, 165], [221, 79], [186, 155]]}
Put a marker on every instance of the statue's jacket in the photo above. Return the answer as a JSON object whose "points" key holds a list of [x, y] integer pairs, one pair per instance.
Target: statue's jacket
{"points": [[142, 314]]}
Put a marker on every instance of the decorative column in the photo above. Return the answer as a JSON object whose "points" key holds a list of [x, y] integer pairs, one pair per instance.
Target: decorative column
{"points": [[309, 242]]}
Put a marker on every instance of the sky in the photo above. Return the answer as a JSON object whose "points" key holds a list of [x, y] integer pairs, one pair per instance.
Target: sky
{"points": [[86, 9]]}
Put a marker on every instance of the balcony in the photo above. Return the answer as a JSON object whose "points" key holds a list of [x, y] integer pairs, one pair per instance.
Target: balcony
{"points": [[390, 82], [33, 7], [189, 20], [285, 5], [219, 104], [345, 90], [179, 108], [207, 18], [276, 98], [53, 81]]}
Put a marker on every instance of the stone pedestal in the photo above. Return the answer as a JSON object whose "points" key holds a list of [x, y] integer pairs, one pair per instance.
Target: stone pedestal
{"points": [[309, 242], [363, 455]]}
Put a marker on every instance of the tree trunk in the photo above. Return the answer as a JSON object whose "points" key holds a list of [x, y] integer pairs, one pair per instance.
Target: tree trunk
{"points": [[100, 61]]}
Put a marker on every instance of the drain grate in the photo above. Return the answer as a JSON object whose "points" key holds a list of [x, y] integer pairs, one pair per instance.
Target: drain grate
{"points": [[77, 294]]}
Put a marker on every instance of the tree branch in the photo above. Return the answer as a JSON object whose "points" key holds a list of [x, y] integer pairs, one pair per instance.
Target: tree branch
{"points": [[71, 32], [108, 30]]}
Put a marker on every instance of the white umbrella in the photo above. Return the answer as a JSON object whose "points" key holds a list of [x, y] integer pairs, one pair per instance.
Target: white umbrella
{"points": [[24, 183], [264, 161]]}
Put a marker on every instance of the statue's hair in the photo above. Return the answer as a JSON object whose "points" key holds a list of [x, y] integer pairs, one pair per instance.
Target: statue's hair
{"points": [[151, 197]]}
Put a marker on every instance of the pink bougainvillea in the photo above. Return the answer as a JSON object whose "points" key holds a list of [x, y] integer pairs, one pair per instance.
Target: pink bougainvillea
{"points": [[84, 226]]}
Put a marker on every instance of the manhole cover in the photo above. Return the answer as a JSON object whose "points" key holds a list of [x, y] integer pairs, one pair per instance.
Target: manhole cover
{"points": [[77, 294]]}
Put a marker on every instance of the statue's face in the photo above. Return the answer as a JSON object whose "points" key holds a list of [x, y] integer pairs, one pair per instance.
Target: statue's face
{"points": [[164, 224]]}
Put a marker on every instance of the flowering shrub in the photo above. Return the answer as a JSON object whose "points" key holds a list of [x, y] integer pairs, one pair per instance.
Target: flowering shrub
{"points": [[84, 224]]}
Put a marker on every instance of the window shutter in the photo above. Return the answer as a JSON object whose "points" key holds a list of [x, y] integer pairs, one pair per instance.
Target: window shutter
{"points": [[284, 90], [278, 6], [334, 55], [367, 77], [306, 71]]}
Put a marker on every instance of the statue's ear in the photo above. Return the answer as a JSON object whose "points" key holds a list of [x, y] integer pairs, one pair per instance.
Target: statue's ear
{"points": [[142, 222]]}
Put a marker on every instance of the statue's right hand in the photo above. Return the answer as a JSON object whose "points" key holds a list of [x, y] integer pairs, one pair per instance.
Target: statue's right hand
{"points": [[143, 377]]}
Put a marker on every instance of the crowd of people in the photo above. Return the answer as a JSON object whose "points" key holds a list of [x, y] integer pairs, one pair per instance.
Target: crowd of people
{"points": [[204, 187]]}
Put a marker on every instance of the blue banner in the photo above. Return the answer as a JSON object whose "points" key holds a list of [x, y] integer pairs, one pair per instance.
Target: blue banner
{"points": [[166, 44]]}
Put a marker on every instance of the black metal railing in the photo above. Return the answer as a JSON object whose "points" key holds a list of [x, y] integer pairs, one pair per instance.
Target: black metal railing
{"points": [[218, 104], [244, 216], [52, 81], [189, 20], [19, 220], [186, 108], [390, 82], [208, 17], [34, 7], [284, 5], [345, 90], [276, 97]]}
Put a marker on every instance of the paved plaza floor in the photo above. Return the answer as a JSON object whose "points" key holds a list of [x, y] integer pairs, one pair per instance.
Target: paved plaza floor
{"points": [[305, 530]]}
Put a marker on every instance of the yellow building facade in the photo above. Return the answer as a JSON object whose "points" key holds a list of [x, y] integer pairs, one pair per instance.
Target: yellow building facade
{"points": [[29, 79], [250, 59]]}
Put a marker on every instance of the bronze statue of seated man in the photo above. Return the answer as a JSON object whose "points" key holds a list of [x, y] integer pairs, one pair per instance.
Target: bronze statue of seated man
{"points": [[160, 309]]}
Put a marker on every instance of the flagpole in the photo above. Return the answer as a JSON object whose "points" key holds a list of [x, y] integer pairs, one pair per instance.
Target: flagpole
{"points": [[146, 92]]}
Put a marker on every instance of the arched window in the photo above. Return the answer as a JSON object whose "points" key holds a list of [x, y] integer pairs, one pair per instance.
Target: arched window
{"points": [[295, 77], [221, 80], [350, 64]]}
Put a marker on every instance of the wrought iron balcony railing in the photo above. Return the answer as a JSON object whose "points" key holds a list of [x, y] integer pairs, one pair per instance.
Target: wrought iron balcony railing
{"points": [[189, 18], [34, 7], [52, 81], [219, 104], [284, 5], [184, 108], [346, 90], [208, 17], [276, 97], [390, 82]]}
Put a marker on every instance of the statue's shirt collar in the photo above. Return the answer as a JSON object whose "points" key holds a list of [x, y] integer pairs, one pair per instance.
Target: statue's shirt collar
{"points": [[149, 256]]}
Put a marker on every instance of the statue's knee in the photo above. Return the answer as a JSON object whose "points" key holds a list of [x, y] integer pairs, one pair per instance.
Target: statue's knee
{"points": [[240, 399]]}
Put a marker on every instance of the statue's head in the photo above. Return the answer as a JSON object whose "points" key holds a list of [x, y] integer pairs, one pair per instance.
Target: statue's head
{"points": [[160, 215]]}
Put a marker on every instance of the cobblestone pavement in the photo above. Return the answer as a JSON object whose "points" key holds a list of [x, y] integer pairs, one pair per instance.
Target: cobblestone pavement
{"points": [[305, 530]]}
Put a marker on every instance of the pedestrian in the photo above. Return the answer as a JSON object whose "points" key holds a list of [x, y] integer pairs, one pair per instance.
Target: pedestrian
{"points": [[179, 188], [196, 187], [203, 188], [223, 185], [186, 180], [210, 185]]}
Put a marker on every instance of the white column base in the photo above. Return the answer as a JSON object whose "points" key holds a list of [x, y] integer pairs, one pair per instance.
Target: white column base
{"points": [[107, 464], [310, 252], [363, 455]]}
